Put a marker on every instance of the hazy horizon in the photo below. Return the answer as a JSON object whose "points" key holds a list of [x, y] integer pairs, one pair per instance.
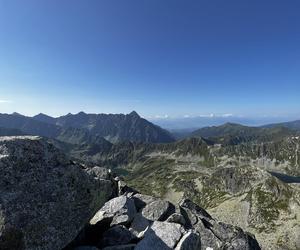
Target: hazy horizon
{"points": [[194, 122]]}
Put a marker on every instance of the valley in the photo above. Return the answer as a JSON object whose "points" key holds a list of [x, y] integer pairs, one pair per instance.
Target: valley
{"points": [[245, 176]]}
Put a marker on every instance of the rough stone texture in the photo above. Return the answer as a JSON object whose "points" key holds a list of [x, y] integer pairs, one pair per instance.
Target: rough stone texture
{"points": [[158, 210], [189, 241], [208, 239], [216, 234], [120, 209], [192, 228], [161, 235], [45, 199]]}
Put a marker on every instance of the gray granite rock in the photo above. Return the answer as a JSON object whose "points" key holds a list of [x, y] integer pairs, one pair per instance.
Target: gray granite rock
{"points": [[208, 239], [45, 199], [158, 210], [161, 235], [215, 234], [121, 210], [176, 218]]}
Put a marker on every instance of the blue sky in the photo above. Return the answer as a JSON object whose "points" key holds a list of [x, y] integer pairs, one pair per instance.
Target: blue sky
{"points": [[165, 58]]}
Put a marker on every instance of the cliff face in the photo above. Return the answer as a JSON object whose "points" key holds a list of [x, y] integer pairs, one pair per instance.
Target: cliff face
{"points": [[45, 199]]}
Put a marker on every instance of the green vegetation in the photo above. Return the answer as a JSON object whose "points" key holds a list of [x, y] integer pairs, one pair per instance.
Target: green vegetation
{"points": [[152, 177]]}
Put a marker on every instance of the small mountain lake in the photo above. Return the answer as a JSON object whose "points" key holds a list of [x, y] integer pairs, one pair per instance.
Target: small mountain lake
{"points": [[286, 178]]}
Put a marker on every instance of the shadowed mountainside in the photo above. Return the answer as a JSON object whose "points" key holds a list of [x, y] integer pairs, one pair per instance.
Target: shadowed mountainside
{"points": [[112, 127]]}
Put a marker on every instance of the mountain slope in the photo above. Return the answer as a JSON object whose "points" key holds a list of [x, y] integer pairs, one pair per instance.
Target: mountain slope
{"points": [[29, 125], [44, 118], [115, 127], [231, 129], [294, 125], [234, 187], [10, 132], [232, 134]]}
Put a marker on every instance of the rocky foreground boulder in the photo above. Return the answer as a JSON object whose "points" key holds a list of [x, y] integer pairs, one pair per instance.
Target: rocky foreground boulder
{"points": [[153, 223], [45, 199], [49, 202]]}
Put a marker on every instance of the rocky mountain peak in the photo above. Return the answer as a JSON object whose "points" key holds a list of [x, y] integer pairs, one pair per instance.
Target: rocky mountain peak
{"points": [[134, 114], [81, 113], [16, 114]]}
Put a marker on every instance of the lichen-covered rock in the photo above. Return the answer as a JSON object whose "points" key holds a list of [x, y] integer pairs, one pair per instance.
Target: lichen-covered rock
{"points": [[45, 199]]}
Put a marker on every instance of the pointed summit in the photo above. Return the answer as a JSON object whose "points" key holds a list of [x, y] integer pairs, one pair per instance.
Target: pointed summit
{"points": [[81, 113], [134, 114], [44, 118]]}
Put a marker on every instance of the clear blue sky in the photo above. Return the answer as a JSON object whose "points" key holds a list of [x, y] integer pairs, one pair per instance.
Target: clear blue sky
{"points": [[154, 56]]}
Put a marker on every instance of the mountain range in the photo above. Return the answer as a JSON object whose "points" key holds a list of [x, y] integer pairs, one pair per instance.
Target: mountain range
{"points": [[231, 133], [112, 127], [246, 176], [131, 127]]}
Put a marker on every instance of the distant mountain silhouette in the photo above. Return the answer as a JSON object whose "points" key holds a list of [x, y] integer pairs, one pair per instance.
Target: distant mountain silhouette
{"points": [[29, 125], [113, 127], [231, 133], [294, 125]]}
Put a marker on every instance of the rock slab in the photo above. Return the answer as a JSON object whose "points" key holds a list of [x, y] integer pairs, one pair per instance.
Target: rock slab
{"points": [[45, 199]]}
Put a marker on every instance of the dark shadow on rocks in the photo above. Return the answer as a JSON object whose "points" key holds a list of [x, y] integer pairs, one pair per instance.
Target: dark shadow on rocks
{"points": [[11, 239], [206, 223], [151, 242], [90, 234]]}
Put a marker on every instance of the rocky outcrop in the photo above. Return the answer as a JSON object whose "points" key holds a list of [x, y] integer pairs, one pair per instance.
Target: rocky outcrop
{"points": [[158, 224], [45, 199]]}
